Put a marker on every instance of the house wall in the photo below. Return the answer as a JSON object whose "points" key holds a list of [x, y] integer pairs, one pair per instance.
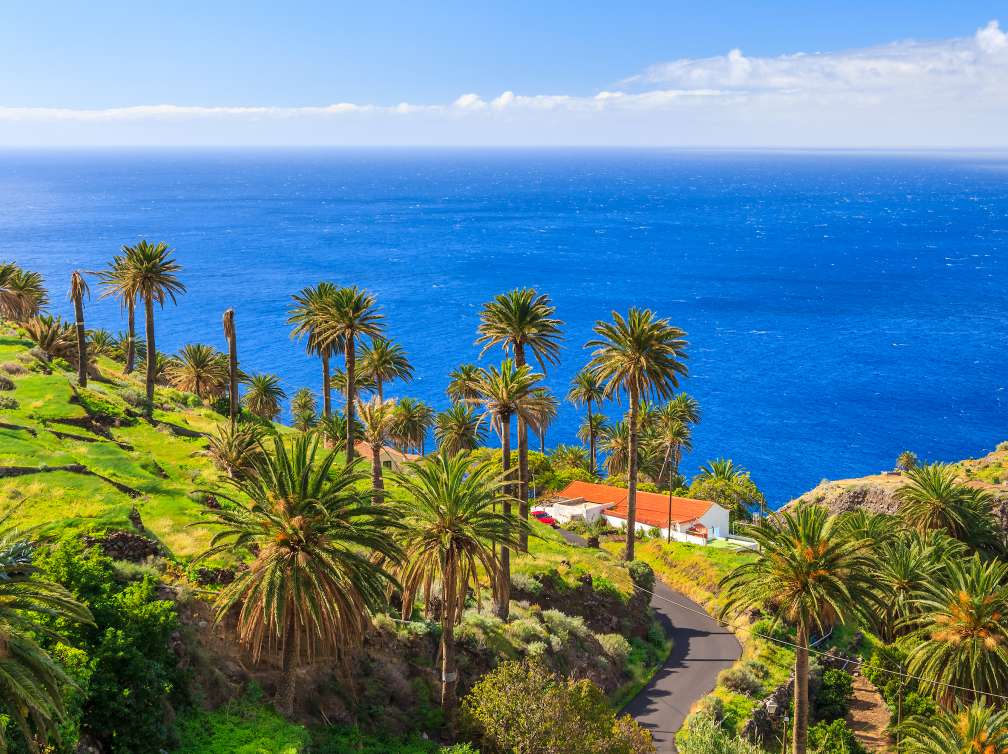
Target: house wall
{"points": [[677, 536], [716, 517]]}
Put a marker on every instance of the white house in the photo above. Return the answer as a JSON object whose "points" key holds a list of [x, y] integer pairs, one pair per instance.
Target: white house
{"points": [[696, 521]]}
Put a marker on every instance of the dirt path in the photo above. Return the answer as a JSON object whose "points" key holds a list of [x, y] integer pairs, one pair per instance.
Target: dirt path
{"points": [[869, 716]]}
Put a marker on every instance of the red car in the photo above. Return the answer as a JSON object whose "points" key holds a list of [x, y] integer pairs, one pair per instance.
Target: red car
{"points": [[543, 518]]}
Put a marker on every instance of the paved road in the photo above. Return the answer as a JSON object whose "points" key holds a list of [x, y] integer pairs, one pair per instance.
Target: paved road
{"points": [[703, 648]]}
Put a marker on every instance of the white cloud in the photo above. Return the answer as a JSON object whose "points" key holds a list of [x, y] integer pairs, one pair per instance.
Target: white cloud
{"points": [[948, 92]]}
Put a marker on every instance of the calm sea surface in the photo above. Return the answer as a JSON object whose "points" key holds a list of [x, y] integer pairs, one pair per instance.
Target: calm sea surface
{"points": [[840, 307]]}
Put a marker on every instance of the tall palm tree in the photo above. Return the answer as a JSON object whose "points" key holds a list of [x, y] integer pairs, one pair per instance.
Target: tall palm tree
{"points": [[506, 392], [963, 627], [591, 431], [312, 584], [976, 729], [458, 428], [451, 531], [115, 280], [587, 390], [642, 356], [902, 567], [382, 361], [379, 419], [152, 277], [264, 396], [307, 316], [934, 499], [232, 341], [199, 369], [463, 382], [518, 320], [349, 316], [808, 576], [671, 437], [544, 409], [78, 290], [413, 421], [616, 445], [22, 293], [31, 682]]}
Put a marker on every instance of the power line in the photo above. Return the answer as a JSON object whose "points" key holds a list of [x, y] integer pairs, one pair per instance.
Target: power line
{"points": [[786, 643]]}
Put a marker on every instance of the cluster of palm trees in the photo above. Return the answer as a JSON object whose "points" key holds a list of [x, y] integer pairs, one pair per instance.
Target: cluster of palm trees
{"points": [[931, 577], [325, 555]]}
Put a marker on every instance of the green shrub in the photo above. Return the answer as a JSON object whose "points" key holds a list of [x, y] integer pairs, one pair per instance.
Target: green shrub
{"points": [[8, 403], [96, 404], [241, 728], [563, 627], [833, 699], [616, 647], [642, 574], [525, 630], [62, 364], [834, 738], [526, 583], [741, 679], [704, 735], [6, 383]]}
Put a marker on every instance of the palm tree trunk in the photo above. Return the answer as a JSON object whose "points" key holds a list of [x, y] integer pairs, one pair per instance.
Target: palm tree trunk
{"points": [[232, 340], [523, 468], [449, 676], [326, 386], [631, 534], [288, 684], [130, 336], [350, 356], [82, 359], [799, 735], [380, 390], [151, 353], [377, 483], [591, 438], [669, 532], [503, 592]]}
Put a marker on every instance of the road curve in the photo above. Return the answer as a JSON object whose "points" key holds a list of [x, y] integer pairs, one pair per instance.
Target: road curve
{"points": [[703, 648]]}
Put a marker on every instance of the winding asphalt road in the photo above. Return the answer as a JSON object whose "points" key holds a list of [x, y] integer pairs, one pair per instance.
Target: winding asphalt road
{"points": [[703, 648]]}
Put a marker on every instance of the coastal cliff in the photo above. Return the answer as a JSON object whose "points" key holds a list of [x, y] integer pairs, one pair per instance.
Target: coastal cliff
{"points": [[877, 493]]}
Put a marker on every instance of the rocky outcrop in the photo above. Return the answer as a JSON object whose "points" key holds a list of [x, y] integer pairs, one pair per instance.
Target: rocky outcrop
{"points": [[124, 545], [852, 495]]}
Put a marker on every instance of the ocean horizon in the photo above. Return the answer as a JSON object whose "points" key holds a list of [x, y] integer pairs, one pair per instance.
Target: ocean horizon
{"points": [[840, 306]]}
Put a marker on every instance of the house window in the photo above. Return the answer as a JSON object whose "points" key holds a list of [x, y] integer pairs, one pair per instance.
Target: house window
{"points": [[386, 464]]}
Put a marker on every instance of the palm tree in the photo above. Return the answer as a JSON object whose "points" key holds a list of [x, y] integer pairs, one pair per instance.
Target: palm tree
{"points": [[516, 320], [383, 361], [31, 682], [22, 293], [642, 356], [591, 431], [730, 486], [463, 382], [451, 531], [78, 289], [808, 576], [235, 447], [976, 729], [362, 383], [413, 420], [671, 437], [571, 456], [586, 390], [457, 429], [264, 395], [199, 369], [116, 283], [307, 316], [616, 445], [304, 409], [152, 277], [963, 627], [902, 568], [506, 392], [379, 419], [231, 336], [544, 408], [102, 343], [349, 315], [934, 499], [313, 583]]}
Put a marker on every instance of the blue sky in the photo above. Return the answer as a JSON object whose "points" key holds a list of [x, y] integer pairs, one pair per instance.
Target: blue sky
{"points": [[72, 71]]}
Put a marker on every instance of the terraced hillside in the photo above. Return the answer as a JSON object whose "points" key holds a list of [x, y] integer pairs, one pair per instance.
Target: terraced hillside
{"points": [[86, 458]]}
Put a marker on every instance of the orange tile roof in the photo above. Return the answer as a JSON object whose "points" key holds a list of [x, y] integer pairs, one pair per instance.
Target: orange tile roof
{"points": [[652, 507]]}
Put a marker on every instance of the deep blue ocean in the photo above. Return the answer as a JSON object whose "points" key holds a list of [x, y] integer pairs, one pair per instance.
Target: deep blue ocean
{"points": [[841, 307]]}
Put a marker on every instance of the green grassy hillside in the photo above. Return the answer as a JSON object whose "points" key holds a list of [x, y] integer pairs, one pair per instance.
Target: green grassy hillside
{"points": [[83, 459]]}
